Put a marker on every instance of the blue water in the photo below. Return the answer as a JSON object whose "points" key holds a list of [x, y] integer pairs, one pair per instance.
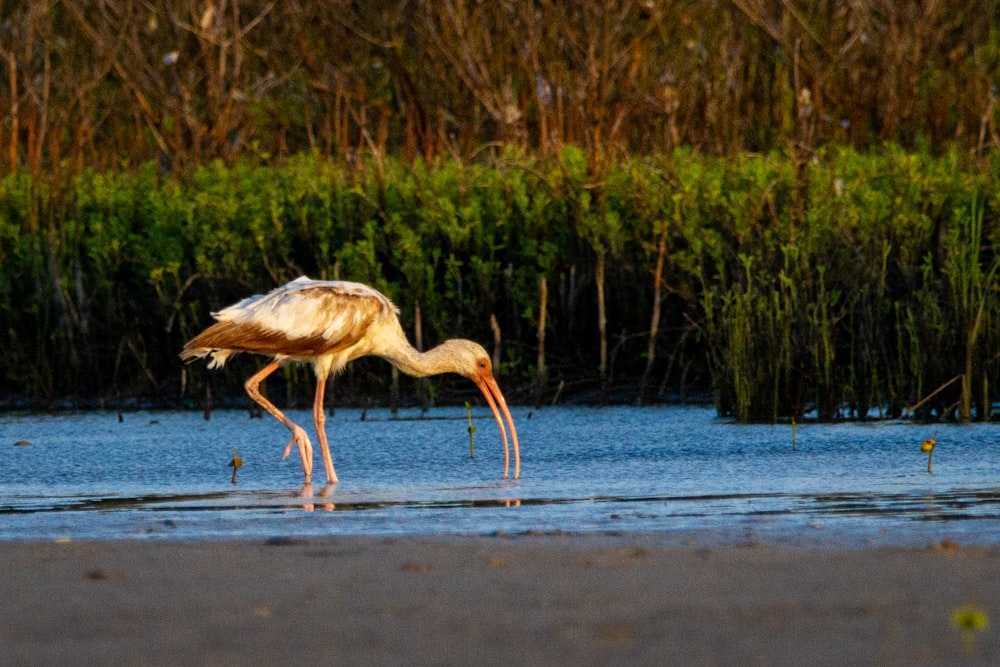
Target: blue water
{"points": [[678, 473]]}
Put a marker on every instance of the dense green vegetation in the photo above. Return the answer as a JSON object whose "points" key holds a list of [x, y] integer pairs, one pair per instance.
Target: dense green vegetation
{"points": [[848, 284]]}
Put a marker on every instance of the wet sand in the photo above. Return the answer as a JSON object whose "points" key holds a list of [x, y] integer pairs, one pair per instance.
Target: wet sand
{"points": [[549, 599]]}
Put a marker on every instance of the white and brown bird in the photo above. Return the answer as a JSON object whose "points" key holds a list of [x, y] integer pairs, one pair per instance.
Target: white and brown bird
{"points": [[327, 324]]}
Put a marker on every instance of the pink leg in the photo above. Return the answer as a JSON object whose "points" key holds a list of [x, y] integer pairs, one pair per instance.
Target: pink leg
{"points": [[299, 436], [319, 419]]}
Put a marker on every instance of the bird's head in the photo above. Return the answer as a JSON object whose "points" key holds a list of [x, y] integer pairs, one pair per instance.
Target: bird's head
{"points": [[471, 360]]}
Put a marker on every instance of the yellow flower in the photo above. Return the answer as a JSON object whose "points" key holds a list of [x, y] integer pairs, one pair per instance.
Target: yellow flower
{"points": [[969, 618]]}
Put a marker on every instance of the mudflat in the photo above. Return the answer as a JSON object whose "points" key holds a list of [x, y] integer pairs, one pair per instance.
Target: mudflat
{"points": [[503, 600]]}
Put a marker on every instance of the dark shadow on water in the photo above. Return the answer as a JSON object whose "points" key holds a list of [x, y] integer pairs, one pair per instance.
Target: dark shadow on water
{"points": [[955, 505]]}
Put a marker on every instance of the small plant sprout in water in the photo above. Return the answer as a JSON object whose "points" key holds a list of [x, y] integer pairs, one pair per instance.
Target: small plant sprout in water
{"points": [[472, 431], [927, 446], [969, 619], [235, 464]]}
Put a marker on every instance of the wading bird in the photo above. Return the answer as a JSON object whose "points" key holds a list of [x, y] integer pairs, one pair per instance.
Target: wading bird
{"points": [[327, 324]]}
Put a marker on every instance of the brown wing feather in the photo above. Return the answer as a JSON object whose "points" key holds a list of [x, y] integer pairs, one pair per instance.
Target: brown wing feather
{"points": [[306, 321]]}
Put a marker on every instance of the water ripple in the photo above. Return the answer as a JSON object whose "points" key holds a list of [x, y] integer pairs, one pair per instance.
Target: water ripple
{"points": [[621, 469]]}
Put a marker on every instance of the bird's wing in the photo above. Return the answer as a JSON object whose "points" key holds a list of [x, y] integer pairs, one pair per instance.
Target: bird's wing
{"points": [[240, 310], [303, 318]]}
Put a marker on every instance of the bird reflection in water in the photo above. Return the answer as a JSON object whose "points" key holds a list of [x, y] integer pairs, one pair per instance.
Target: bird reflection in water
{"points": [[306, 493]]}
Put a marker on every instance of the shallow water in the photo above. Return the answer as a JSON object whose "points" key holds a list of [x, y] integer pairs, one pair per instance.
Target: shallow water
{"points": [[678, 473]]}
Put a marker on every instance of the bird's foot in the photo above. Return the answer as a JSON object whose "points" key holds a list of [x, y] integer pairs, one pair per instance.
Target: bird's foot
{"points": [[301, 438]]}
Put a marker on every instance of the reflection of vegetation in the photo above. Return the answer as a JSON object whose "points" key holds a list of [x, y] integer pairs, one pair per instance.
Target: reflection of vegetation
{"points": [[849, 288]]}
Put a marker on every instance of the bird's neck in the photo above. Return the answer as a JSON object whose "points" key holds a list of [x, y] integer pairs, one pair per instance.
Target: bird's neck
{"points": [[411, 361]]}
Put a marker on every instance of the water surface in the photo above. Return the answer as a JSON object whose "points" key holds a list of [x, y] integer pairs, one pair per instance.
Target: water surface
{"points": [[679, 473]]}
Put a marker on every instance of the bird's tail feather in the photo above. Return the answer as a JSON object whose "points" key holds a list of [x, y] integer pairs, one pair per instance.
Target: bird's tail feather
{"points": [[216, 358]]}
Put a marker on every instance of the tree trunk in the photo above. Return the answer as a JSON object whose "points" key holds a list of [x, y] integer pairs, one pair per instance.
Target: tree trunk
{"points": [[418, 341], [602, 326], [654, 324], [495, 326], [543, 299], [14, 112]]}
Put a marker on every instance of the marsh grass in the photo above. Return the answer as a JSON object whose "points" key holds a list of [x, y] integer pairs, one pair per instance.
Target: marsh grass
{"points": [[847, 287]]}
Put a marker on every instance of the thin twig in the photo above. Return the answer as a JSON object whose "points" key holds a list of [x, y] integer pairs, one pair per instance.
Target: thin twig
{"points": [[931, 395]]}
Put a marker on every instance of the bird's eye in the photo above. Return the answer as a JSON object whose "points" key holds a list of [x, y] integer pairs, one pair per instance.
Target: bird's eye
{"points": [[482, 364]]}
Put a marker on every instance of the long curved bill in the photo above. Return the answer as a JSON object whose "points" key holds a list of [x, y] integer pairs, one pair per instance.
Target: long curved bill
{"points": [[491, 391]]}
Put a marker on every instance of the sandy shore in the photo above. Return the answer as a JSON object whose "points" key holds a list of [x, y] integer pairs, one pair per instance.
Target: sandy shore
{"points": [[561, 600]]}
